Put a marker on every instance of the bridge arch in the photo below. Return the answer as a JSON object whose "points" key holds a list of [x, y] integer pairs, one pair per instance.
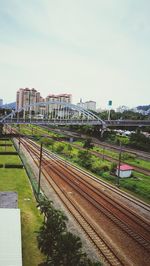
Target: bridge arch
{"points": [[76, 113]]}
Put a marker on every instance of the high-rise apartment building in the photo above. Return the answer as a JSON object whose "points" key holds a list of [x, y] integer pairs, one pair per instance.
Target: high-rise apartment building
{"points": [[60, 109], [26, 97]]}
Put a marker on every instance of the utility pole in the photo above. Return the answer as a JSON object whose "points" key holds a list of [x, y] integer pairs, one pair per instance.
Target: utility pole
{"points": [[103, 152], [109, 115], [119, 164], [19, 143], [39, 182]]}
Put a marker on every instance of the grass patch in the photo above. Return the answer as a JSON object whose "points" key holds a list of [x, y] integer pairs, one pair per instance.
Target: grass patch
{"points": [[139, 163], [9, 159], [138, 184], [7, 148], [16, 180]]}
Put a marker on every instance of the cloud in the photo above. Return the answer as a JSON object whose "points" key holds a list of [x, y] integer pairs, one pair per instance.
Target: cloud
{"points": [[93, 49]]}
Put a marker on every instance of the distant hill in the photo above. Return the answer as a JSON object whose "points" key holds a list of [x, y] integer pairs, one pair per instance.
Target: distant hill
{"points": [[9, 105], [143, 107]]}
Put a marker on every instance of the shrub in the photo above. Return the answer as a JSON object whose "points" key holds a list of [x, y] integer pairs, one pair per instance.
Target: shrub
{"points": [[128, 156], [113, 167]]}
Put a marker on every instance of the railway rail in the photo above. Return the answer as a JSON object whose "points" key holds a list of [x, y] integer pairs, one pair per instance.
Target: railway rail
{"points": [[134, 225], [105, 251], [110, 158], [140, 154]]}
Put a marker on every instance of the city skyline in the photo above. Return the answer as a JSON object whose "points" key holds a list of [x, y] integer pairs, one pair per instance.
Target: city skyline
{"points": [[95, 50]]}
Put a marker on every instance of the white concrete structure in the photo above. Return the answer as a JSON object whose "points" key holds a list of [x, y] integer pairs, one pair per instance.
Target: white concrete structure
{"points": [[10, 237], [89, 105], [125, 171]]}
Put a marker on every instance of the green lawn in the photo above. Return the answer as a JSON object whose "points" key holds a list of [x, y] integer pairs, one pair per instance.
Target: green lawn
{"points": [[7, 148], [139, 185], [9, 159], [35, 130], [139, 163], [17, 180]]}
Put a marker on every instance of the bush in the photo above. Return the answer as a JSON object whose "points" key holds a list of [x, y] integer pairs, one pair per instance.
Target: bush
{"points": [[59, 148], [128, 156], [104, 168], [59, 245], [113, 167], [85, 159], [107, 176], [130, 186]]}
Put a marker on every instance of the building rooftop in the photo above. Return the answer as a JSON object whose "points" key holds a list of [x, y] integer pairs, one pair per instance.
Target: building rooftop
{"points": [[125, 167], [8, 199], [10, 237]]}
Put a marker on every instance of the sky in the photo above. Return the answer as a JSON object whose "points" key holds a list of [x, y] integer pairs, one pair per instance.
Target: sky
{"points": [[93, 49]]}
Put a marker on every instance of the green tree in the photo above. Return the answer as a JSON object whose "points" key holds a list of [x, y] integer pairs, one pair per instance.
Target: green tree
{"points": [[88, 144], [47, 141], [85, 159], [58, 245], [49, 233], [60, 147], [69, 149], [45, 205]]}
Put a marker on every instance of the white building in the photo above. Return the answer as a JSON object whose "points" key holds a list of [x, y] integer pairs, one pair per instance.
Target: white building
{"points": [[89, 105], [122, 109], [125, 171], [1, 102], [58, 110]]}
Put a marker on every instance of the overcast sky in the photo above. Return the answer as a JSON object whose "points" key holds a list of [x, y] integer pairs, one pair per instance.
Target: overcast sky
{"points": [[94, 49]]}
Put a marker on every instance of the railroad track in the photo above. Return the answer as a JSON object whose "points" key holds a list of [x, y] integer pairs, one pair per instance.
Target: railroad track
{"points": [[105, 251], [125, 219], [111, 187], [141, 170], [140, 154], [110, 159]]}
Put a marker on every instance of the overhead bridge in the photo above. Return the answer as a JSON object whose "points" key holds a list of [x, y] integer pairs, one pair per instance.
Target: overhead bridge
{"points": [[63, 113], [127, 123], [56, 113]]}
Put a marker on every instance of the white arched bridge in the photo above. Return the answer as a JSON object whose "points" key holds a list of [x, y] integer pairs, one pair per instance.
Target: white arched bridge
{"points": [[53, 113], [63, 113]]}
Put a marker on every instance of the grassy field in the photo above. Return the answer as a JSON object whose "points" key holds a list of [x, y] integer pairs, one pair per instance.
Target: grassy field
{"points": [[133, 161], [139, 184], [35, 130], [6, 148], [17, 180], [9, 159]]}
